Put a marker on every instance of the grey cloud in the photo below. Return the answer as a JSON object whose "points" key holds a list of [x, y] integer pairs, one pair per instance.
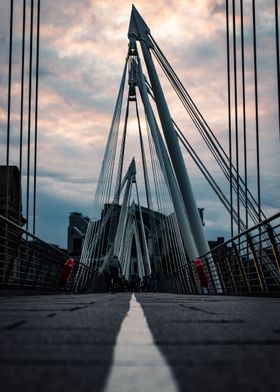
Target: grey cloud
{"points": [[61, 176], [205, 50], [217, 8], [84, 81], [83, 88], [44, 72]]}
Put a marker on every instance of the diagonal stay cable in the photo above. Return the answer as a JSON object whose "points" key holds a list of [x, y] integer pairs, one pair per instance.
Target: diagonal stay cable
{"points": [[219, 158], [184, 96], [210, 178]]}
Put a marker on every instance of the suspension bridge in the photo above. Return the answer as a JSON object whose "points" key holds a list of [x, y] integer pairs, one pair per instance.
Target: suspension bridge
{"points": [[211, 317]]}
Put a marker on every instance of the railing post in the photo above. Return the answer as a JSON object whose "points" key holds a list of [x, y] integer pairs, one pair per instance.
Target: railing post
{"points": [[274, 246], [211, 275], [10, 265], [224, 290], [240, 267], [39, 269], [257, 264], [27, 267], [230, 272]]}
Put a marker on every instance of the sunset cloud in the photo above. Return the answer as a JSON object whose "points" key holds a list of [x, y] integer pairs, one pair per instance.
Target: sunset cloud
{"points": [[82, 52]]}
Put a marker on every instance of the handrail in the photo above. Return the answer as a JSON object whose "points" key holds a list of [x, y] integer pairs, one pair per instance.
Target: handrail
{"points": [[31, 235], [246, 263], [27, 262], [262, 223]]}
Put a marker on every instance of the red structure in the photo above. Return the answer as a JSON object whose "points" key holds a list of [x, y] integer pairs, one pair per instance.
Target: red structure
{"points": [[66, 271], [201, 272]]}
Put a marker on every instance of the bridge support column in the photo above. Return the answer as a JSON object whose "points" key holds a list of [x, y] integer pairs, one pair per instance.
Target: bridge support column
{"points": [[138, 30], [167, 170], [122, 218], [176, 156]]}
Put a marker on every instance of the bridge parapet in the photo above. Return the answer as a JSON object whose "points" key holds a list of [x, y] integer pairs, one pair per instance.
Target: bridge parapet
{"points": [[248, 263], [28, 263]]}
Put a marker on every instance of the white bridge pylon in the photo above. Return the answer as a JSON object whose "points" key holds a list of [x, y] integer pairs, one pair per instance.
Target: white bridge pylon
{"points": [[167, 243], [127, 227]]}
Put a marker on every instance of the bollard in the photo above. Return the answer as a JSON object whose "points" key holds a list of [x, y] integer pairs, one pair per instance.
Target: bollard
{"points": [[66, 271], [201, 273]]}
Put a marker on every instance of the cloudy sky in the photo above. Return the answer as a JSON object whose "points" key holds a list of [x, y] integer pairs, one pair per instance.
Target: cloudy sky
{"points": [[82, 52]]}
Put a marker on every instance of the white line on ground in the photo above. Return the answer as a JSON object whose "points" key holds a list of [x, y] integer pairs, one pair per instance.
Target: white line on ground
{"points": [[138, 365]]}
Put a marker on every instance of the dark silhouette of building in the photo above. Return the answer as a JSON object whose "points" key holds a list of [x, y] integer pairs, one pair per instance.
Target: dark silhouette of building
{"points": [[77, 228], [11, 209], [10, 194]]}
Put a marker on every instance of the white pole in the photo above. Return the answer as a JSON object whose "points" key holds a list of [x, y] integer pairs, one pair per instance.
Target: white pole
{"points": [[138, 30], [139, 27], [148, 269], [140, 261], [122, 218], [169, 174]]}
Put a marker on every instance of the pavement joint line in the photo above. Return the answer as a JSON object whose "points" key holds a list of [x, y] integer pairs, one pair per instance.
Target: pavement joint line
{"points": [[77, 308], [15, 325], [208, 321], [198, 309], [265, 342], [44, 329]]}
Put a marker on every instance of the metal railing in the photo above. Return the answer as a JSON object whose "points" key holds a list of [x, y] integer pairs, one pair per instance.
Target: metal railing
{"points": [[247, 263], [28, 263]]}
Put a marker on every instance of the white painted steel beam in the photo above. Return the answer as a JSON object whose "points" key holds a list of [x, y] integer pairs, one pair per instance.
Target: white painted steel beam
{"points": [[138, 30]]}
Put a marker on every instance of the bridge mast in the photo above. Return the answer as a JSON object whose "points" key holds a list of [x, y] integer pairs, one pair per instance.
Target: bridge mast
{"points": [[138, 30], [167, 170]]}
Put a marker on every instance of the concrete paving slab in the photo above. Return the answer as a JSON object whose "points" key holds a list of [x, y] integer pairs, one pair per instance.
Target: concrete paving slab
{"points": [[66, 342]]}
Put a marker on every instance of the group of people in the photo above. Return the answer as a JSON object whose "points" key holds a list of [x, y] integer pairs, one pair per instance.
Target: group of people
{"points": [[115, 281], [149, 282]]}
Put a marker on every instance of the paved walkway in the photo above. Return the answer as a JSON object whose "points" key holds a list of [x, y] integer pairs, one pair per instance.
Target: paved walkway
{"points": [[184, 343]]}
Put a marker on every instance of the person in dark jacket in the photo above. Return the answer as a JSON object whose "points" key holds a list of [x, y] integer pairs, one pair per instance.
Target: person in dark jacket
{"points": [[115, 269]]}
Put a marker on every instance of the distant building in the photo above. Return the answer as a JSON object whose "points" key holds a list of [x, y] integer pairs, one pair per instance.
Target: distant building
{"points": [[77, 228], [219, 241], [10, 185], [10, 208], [221, 252]]}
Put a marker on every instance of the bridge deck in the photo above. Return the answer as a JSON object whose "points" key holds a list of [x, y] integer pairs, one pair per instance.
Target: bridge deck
{"points": [[67, 342]]}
